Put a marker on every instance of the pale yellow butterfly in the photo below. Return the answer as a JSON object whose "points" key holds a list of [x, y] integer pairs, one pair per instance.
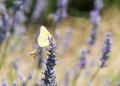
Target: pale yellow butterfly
{"points": [[43, 37]]}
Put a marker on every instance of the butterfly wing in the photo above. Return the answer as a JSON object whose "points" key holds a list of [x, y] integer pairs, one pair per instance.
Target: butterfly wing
{"points": [[43, 37]]}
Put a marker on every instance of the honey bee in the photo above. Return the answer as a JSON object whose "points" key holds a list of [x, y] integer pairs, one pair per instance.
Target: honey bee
{"points": [[34, 53]]}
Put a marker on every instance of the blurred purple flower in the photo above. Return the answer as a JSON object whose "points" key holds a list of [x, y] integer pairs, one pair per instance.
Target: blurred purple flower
{"points": [[37, 83], [19, 29], [106, 82], [4, 82], [80, 65], [93, 36], [95, 16], [67, 37], [19, 17], [15, 83], [82, 58], [4, 18], [30, 73], [2, 7], [59, 15], [62, 3], [95, 19], [15, 64], [118, 84], [66, 40], [61, 11], [39, 8], [18, 4], [66, 78], [23, 79], [98, 4], [106, 48], [57, 36], [20, 76], [27, 6]]}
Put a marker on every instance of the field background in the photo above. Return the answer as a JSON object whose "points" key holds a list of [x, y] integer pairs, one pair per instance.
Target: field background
{"points": [[20, 48]]}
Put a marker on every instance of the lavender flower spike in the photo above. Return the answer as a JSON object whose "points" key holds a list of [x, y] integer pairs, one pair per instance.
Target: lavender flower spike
{"points": [[82, 58], [106, 48], [49, 79]]}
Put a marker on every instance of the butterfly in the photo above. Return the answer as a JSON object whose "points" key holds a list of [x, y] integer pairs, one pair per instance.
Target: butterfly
{"points": [[43, 37]]}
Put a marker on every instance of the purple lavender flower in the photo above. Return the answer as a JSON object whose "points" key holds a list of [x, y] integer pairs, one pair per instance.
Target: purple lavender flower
{"points": [[66, 40], [15, 64], [98, 4], [18, 4], [39, 8], [4, 29], [67, 37], [95, 16], [118, 84], [4, 82], [20, 75], [81, 64], [37, 83], [82, 59], [15, 83], [61, 12], [2, 7], [23, 79], [95, 19], [27, 6], [57, 36], [93, 36], [66, 78], [19, 17], [62, 3], [107, 82], [106, 48], [49, 79]]}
